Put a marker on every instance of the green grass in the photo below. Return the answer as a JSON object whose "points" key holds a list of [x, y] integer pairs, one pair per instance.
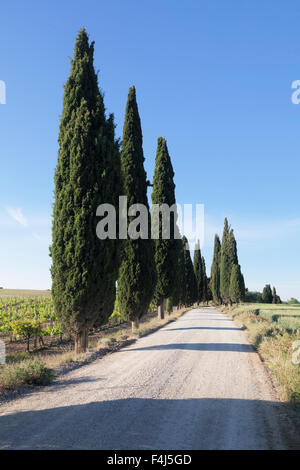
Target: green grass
{"points": [[284, 316]]}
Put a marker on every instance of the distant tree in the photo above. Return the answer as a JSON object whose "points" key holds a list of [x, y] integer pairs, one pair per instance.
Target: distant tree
{"points": [[205, 282], [137, 272], [267, 294], [293, 301], [253, 297], [225, 263], [166, 243], [243, 287], [209, 292], [236, 290], [228, 259], [190, 280], [179, 294], [84, 268], [274, 296], [215, 272], [198, 270]]}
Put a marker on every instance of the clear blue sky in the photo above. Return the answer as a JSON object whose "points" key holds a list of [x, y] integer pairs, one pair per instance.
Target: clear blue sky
{"points": [[212, 77]]}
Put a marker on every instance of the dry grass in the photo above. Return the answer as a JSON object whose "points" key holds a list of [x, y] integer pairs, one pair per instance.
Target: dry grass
{"points": [[28, 372], [274, 343]]}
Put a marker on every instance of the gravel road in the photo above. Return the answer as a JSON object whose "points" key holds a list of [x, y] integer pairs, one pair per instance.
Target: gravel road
{"points": [[194, 384]]}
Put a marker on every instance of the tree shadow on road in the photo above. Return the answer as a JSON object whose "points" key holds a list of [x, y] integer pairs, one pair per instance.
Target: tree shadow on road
{"points": [[203, 328], [235, 347], [147, 423]]}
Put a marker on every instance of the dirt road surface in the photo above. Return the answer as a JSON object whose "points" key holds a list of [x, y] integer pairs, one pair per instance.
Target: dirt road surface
{"points": [[194, 384]]}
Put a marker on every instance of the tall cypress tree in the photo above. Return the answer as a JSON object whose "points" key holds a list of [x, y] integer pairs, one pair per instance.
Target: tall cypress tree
{"points": [[198, 269], [190, 279], [225, 264], [165, 248], [267, 294], [236, 289], [215, 272], [83, 267], [229, 258], [204, 281], [137, 271]]}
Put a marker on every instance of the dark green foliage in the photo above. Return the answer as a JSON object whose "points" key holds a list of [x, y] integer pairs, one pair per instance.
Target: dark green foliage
{"points": [[204, 282], [165, 249], [209, 292], [228, 259], [198, 270], [274, 296], [169, 305], [233, 257], [236, 289], [190, 279], [225, 264], [215, 272], [253, 297], [243, 286], [179, 294], [87, 175], [137, 272], [267, 294]]}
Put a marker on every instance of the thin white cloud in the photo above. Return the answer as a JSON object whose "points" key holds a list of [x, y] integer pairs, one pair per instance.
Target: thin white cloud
{"points": [[36, 236], [269, 230], [17, 215], [254, 230]]}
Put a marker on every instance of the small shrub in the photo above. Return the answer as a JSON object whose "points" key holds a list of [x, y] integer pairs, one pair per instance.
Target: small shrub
{"points": [[30, 372]]}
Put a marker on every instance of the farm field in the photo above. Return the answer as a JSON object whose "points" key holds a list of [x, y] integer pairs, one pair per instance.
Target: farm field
{"points": [[8, 293], [284, 316]]}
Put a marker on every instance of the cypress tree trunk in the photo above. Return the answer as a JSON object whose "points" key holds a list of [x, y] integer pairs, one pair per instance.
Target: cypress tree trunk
{"points": [[135, 324], [161, 309], [81, 341]]}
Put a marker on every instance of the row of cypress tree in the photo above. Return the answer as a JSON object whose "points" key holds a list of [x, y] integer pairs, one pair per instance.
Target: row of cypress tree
{"points": [[269, 295], [94, 168], [227, 281]]}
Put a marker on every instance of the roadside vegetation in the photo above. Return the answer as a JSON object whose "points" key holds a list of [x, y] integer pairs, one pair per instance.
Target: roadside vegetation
{"points": [[273, 330]]}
